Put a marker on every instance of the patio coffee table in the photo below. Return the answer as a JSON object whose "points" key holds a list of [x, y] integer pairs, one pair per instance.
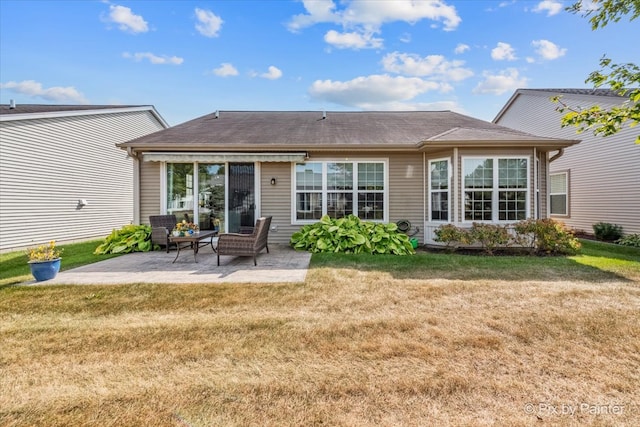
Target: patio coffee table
{"points": [[194, 241]]}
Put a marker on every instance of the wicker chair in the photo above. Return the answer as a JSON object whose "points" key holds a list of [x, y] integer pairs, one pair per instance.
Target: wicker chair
{"points": [[161, 226], [246, 244]]}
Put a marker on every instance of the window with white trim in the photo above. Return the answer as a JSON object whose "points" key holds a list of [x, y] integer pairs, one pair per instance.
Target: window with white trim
{"points": [[339, 189], [439, 190], [496, 189], [559, 193]]}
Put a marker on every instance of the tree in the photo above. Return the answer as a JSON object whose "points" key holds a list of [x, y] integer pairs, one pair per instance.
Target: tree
{"points": [[624, 79]]}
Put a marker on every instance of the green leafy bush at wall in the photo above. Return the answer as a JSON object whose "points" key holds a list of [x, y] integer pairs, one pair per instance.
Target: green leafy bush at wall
{"points": [[607, 232], [452, 236], [353, 236], [542, 236], [548, 236], [130, 238], [630, 240]]}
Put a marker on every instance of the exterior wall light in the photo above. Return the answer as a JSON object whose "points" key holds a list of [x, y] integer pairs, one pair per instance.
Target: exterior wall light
{"points": [[273, 181]]}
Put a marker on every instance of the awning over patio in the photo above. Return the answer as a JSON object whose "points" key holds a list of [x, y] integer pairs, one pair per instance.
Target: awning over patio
{"points": [[224, 157]]}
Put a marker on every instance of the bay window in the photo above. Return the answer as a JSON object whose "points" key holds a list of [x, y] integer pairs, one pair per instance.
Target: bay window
{"points": [[496, 189], [438, 190]]}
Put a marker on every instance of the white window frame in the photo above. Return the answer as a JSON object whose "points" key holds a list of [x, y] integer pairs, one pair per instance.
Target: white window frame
{"points": [[325, 191], [495, 189], [565, 194], [431, 190]]}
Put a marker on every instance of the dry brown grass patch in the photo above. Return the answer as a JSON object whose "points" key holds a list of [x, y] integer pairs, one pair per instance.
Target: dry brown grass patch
{"points": [[348, 347]]}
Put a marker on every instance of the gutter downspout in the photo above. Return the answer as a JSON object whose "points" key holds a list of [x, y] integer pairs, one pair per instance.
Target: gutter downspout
{"points": [[136, 184], [557, 155], [548, 174]]}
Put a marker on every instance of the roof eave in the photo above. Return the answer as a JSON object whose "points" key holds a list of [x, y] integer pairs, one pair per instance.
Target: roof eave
{"points": [[72, 113], [551, 144], [266, 147]]}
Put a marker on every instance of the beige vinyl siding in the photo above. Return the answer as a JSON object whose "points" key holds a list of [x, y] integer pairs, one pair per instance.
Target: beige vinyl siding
{"points": [[405, 192], [150, 197], [48, 164], [276, 200], [543, 185], [605, 176]]}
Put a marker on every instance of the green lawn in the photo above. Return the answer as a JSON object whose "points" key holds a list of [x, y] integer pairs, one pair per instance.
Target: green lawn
{"points": [[596, 259], [14, 268]]}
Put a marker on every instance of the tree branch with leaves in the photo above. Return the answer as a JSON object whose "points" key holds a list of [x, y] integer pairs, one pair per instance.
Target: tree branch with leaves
{"points": [[624, 79]]}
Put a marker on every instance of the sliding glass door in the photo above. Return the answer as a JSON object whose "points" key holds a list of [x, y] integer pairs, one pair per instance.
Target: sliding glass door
{"points": [[211, 194], [180, 190], [241, 197], [219, 196]]}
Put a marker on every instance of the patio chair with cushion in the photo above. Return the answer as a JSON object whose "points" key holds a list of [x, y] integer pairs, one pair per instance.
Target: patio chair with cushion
{"points": [[246, 244], [161, 227]]}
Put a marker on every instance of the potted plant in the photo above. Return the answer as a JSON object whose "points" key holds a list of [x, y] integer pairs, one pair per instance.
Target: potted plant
{"points": [[44, 261]]}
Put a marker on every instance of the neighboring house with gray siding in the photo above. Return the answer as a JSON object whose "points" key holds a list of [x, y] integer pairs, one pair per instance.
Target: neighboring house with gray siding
{"points": [[61, 175], [428, 167], [597, 180]]}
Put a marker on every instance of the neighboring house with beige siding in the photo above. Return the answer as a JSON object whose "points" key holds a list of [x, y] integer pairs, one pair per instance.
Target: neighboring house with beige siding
{"points": [[430, 168], [597, 180], [61, 175]]}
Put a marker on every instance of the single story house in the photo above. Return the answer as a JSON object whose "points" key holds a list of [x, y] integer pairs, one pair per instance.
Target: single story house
{"points": [[595, 181], [61, 176], [426, 167]]}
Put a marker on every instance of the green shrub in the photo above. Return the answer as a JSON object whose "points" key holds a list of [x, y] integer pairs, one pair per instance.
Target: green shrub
{"points": [[130, 238], [542, 236], [452, 236], [490, 236], [630, 240], [351, 235], [607, 232], [547, 236]]}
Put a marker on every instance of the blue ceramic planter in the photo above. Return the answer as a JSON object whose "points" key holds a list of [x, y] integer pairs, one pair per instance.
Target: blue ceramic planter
{"points": [[45, 270]]}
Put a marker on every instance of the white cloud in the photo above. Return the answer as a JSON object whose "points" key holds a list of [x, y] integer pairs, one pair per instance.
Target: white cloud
{"points": [[225, 70], [35, 89], [371, 91], [413, 106], [127, 20], [352, 40], [497, 84], [550, 6], [431, 65], [154, 59], [372, 14], [548, 50], [503, 52], [461, 48], [273, 74], [209, 23]]}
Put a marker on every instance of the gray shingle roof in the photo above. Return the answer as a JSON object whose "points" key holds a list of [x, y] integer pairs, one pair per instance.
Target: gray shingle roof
{"points": [[307, 129]]}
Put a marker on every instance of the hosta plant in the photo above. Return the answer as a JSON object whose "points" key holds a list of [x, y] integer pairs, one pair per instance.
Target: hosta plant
{"points": [[351, 235], [130, 238], [630, 240]]}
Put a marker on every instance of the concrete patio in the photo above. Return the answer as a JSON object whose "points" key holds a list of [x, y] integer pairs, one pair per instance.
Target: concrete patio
{"points": [[282, 264]]}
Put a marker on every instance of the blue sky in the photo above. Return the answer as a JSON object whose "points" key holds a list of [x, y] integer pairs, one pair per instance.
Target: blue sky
{"points": [[190, 58]]}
